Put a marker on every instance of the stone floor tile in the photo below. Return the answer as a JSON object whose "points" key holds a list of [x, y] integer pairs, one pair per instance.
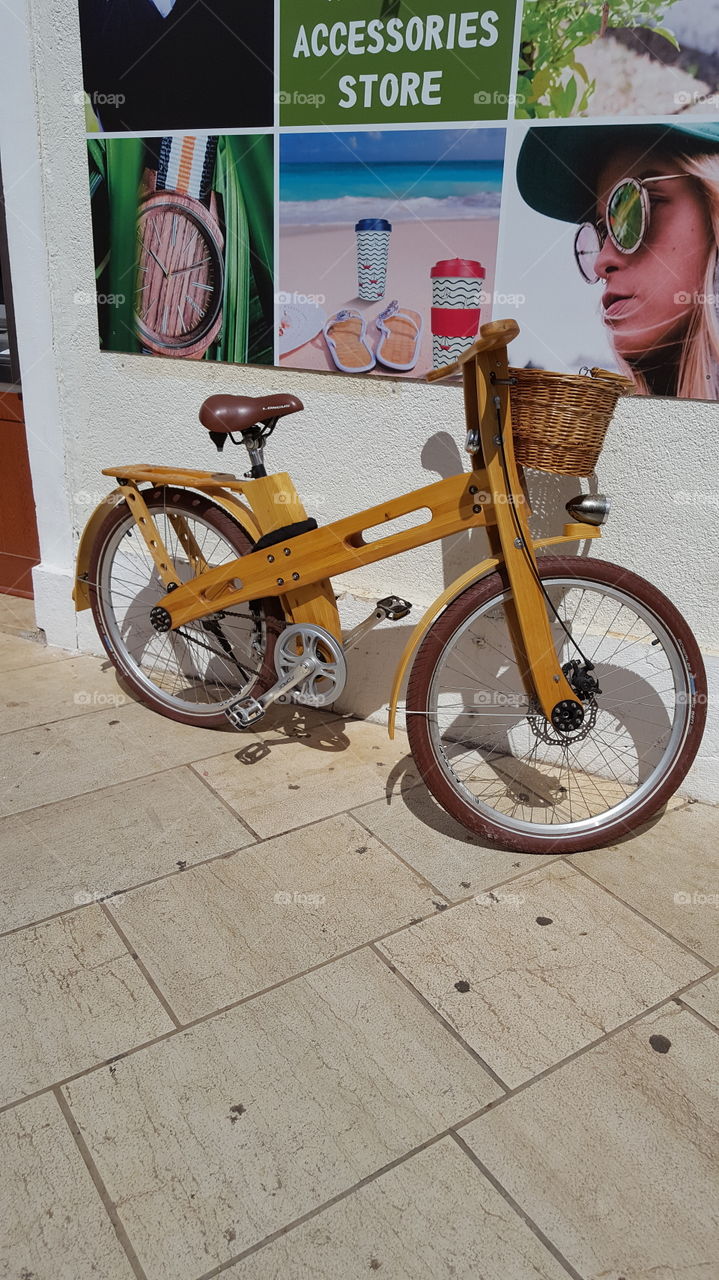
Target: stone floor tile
{"points": [[538, 969], [58, 691], [615, 1156], [52, 1222], [457, 862], [435, 1217], [56, 761], [234, 926], [218, 1136], [296, 775], [72, 997], [107, 841], [671, 874]]}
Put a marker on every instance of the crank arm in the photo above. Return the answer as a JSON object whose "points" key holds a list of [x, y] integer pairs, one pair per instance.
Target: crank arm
{"points": [[246, 711]]}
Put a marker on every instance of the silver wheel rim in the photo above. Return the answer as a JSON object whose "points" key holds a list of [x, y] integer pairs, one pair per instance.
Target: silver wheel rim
{"points": [[680, 697], [128, 586]]}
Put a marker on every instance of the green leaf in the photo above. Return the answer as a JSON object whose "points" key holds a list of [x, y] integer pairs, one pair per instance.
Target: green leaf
{"points": [[668, 35]]}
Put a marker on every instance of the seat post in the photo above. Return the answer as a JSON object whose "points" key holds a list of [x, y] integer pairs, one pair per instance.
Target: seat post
{"points": [[254, 442]]}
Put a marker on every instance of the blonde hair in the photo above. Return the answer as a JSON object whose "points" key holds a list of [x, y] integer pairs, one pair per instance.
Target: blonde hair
{"points": [[698, 373]]}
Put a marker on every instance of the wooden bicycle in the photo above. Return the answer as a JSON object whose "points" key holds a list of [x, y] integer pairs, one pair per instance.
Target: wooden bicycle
{"points": [[554, 703]]}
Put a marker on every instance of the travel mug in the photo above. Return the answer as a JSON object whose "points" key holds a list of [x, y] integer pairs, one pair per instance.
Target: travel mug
{"points": [[372, 252], [457, 286]]}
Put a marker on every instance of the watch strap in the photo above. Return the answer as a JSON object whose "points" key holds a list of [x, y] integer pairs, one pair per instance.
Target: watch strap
{"points": [[186, 165]]}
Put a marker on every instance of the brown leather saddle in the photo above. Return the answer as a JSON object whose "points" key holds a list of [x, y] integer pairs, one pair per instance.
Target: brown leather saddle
{"points": [[225, 415]]}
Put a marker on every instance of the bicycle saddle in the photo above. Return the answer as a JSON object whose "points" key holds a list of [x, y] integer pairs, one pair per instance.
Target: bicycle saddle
{"points": [[227, 414]]}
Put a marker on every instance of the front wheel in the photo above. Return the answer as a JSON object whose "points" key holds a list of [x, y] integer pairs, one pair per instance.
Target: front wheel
{"points": [[493, 761]]}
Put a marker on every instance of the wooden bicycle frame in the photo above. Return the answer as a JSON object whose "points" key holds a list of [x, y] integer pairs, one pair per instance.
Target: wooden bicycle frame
{"points": [[299, 569]]}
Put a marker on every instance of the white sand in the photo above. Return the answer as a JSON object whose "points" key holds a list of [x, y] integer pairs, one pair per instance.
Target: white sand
{"points": [[323, 260]]}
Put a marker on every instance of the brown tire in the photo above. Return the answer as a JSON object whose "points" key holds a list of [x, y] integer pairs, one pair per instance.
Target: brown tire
{"points": [[568, 837], [265, 618]]}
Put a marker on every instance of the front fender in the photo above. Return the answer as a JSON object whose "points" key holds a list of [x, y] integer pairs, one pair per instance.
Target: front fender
{"points": [[455, 589], [81, 594]]}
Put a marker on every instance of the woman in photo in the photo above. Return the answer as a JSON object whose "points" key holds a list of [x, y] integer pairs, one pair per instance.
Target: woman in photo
{"points": [[646, 203]]}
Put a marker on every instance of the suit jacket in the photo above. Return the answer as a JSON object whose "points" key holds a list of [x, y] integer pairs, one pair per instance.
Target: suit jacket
{"points": [[208, 65]]}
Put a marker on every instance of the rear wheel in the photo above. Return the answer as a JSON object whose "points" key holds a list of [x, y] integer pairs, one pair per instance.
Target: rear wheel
{"points": [[493, 761], [190, 674]]}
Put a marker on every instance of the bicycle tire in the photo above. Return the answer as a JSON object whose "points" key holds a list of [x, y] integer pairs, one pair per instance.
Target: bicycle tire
{"points": [[164, 501], [492, 591]]}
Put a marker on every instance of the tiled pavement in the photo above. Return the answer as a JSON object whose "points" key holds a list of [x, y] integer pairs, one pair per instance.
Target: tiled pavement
{"points": [[267, 1012]]}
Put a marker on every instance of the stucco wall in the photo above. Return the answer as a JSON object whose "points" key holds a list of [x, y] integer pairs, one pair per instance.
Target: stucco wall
{"points": [[357, 442]]}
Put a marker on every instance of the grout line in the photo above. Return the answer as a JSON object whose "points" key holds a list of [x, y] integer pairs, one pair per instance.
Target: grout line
{"points": [[100, 1187], [440, 1017], [327, 1204], [352, 813], [700, 1016], [584, 1049], [513, 1204], [92, 791], [225, 803], [647, 919], [141, 966], [203, 1018], [207, 1017]]}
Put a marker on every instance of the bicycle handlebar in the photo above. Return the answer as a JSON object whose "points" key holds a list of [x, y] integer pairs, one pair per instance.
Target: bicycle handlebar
{"points": [[497, 333]]}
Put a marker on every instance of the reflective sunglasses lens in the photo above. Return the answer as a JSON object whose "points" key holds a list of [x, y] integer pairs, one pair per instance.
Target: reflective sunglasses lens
{"points": [[625, 216], [587, 247]]}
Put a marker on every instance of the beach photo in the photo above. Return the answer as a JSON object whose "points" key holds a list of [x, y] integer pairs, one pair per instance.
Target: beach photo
{"points": [[388, 246]]}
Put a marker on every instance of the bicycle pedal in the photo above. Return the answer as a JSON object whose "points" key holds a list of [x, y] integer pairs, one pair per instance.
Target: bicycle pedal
{"points": [[244, 712], [394, 607]]}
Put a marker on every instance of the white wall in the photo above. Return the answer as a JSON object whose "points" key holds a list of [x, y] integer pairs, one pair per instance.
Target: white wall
{"points": [[357, 442]]}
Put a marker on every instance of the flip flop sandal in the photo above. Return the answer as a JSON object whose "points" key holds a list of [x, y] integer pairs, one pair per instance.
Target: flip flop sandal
{"points": [[345, 335], [400, 335]]}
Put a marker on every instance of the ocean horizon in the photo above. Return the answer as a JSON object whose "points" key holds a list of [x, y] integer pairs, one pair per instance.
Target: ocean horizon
{"points": [[318, 193]]}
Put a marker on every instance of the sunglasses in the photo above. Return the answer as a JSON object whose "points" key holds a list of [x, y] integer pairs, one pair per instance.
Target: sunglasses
{"points": [[627, 224]]}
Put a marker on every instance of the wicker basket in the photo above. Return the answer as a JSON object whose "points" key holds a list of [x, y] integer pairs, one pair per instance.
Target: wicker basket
{"points": [[560, 420]]}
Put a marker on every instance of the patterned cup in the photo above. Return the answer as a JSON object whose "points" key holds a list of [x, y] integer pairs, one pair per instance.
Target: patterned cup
{"points": [[372, 253], [457, 288]]}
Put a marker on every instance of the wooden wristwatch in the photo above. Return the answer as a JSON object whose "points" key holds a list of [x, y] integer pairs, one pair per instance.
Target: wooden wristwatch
{"points": [[181, 272]]}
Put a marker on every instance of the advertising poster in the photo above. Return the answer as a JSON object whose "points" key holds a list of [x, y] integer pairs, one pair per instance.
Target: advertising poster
{"points": [[354, 186]]}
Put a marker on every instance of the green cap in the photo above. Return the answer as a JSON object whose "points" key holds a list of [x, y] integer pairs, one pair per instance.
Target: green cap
{"points": [[558, 165]]}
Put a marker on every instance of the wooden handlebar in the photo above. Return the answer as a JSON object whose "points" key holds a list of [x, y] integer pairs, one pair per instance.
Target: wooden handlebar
{"points": [[498, 333]]}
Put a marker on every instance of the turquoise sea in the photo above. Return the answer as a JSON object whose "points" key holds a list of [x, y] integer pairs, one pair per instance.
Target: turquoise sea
{"points": [[324, 192]]}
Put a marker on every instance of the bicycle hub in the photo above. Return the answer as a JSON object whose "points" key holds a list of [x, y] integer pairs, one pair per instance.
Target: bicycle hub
{"points": [[567, 716], [160, 619]]}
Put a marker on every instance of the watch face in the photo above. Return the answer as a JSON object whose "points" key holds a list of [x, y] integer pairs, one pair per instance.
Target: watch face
{"points": [[178, 300]]}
